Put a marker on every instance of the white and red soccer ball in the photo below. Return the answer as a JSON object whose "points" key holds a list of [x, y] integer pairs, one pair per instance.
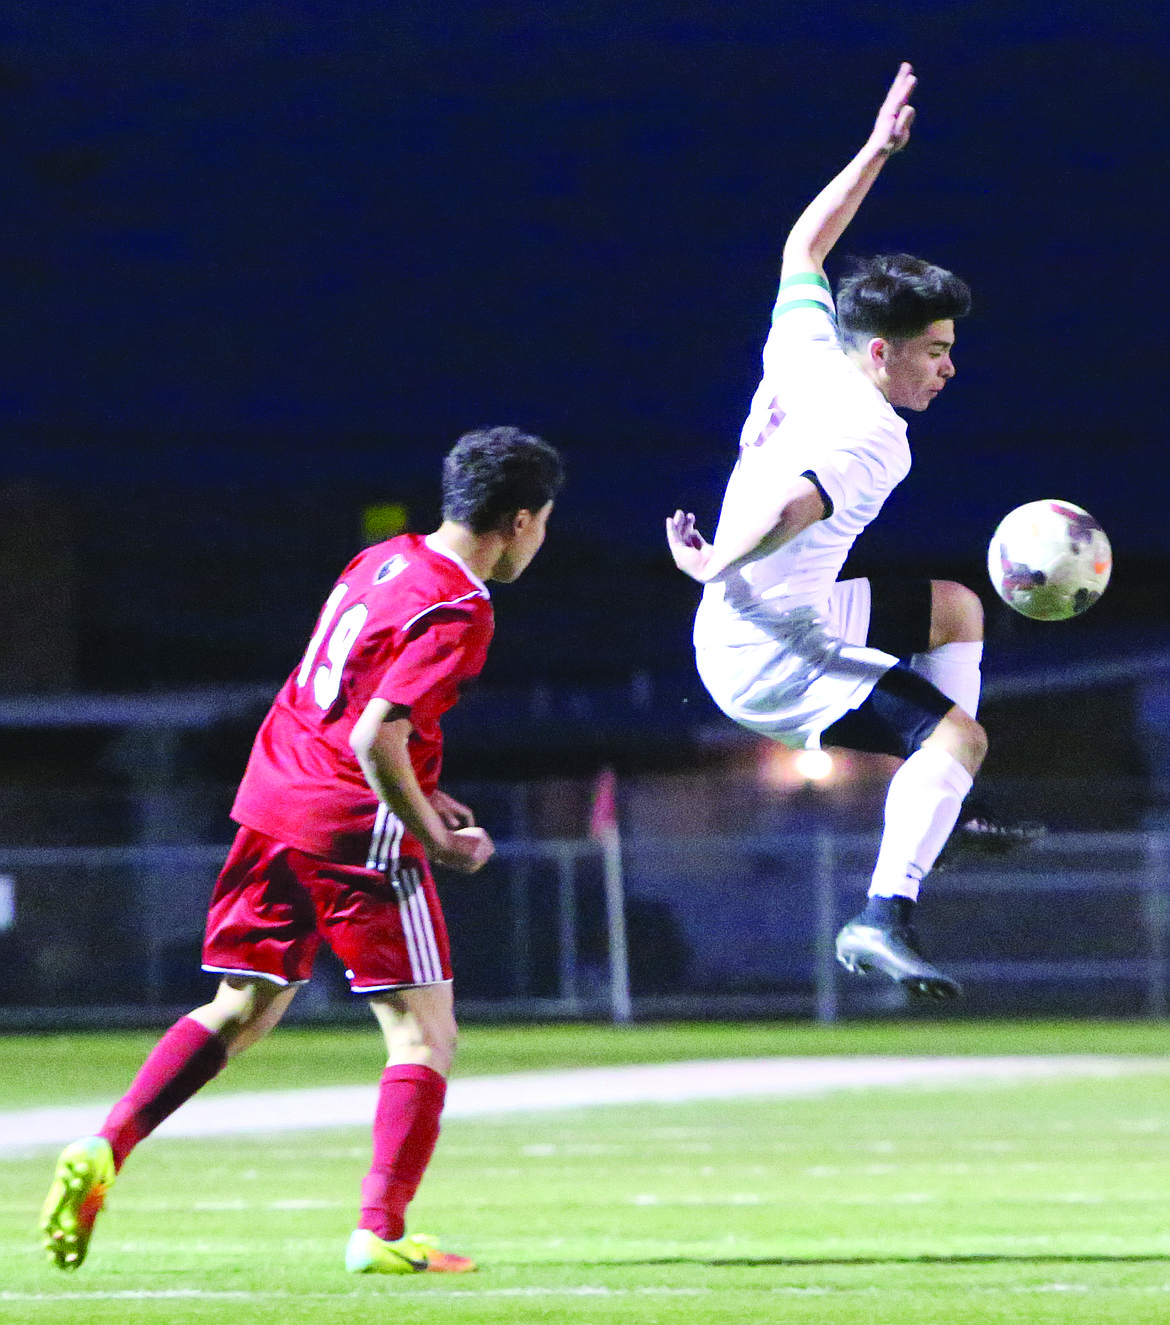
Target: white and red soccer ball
{"points": [[1049, 560]]}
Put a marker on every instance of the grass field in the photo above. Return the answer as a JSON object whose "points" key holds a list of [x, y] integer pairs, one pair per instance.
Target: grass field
{"points": [[1038, 1202]]}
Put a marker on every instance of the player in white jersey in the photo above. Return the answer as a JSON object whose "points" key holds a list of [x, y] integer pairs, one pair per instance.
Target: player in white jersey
{"points": [[785, 648]]}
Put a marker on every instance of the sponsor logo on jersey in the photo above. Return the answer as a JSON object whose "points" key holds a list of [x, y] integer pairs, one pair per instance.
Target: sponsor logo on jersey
{"points": [[388, 569]]}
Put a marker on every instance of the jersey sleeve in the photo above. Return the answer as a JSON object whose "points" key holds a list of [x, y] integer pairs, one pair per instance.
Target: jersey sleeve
{"points": [[850, 475], [804, 324], [442, 649], [804, 364]]}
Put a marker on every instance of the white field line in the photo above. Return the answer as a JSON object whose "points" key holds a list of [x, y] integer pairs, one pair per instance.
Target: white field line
{"points": [[564, 1291], [662, 1083], [247, 1295]]}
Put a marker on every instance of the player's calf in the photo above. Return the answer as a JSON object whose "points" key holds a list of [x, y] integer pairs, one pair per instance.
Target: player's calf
{"points": [[922, 806]]}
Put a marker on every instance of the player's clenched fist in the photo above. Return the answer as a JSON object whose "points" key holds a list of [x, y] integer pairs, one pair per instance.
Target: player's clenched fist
{"points": [[468, 850]]}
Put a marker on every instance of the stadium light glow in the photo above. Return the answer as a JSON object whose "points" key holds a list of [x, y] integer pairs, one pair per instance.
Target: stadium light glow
{"points": [[814, 765], [788, 770]]}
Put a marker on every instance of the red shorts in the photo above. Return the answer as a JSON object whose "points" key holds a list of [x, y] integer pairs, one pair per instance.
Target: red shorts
{"points": [[273, 905]]}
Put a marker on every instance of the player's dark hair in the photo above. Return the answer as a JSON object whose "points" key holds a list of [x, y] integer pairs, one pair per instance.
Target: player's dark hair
{"points": [[491, 474], [896, 296]]}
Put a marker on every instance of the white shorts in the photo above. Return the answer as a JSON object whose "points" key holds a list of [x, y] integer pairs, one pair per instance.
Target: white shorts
{"points": [[790, 673], [850, 605]]}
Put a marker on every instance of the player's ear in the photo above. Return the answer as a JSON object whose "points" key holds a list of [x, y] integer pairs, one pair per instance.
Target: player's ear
{"points": [[516, 523], [878, 350]]}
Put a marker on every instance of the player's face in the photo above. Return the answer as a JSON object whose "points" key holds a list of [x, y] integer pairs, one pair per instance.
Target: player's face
{"points": [[919, 368], [528, 530]]}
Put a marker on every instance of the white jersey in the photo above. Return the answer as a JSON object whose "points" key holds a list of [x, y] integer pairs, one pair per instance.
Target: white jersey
{"points": [[815, 413], [769, 642]]}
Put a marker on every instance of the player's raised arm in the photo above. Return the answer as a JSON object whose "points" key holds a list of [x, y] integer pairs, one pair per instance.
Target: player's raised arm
{"points": [[825, 219]]}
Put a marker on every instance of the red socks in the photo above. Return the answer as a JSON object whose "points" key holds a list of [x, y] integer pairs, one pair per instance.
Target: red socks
{"points": [[186, 1057], [406, 1124], [406, 1127]]}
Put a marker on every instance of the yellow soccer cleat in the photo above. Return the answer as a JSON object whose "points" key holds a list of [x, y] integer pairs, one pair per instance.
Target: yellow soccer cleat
{"points": [[416, 1254], [84, 1174]]}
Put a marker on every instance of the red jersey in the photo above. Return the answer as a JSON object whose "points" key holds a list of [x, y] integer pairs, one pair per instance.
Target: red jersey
{"points": [[407, 622]]}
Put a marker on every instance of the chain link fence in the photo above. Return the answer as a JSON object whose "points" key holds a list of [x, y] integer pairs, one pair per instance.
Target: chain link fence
{"points": [[714, 925]]}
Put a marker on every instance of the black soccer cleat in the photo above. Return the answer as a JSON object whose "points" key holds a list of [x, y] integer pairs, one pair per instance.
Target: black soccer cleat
{"points": [[893, 950], [981, 833]]}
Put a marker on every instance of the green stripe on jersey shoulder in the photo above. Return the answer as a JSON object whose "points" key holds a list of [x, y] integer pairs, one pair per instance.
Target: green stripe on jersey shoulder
{"points": [[805, 278], [787, 305], [783, 305], [807, 289]]}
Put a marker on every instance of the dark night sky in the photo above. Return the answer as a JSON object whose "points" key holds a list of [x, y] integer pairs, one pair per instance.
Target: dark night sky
{"points": [[301, 242]]}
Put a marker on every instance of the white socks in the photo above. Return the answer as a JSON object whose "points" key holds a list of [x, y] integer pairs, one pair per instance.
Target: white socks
{"points": [[954, 669], [927, 792], [922, 806]]}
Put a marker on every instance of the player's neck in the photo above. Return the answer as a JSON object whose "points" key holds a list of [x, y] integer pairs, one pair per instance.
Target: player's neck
{"points": [[478, 552], [865, 365]]}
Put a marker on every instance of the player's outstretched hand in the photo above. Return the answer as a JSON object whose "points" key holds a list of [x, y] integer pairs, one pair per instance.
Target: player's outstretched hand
{"points": [[891, 129], [453, 813], [468, 850], [687, 546]]}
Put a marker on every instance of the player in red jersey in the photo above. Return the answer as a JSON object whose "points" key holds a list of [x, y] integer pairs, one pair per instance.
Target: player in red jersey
{"points": [[339, 810]]}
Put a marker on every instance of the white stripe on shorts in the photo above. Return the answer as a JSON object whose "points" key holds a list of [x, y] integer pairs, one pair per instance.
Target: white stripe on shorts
{"points": [[386, 840], [376, 836], [426, 931], [425, 964], [408, 934]]}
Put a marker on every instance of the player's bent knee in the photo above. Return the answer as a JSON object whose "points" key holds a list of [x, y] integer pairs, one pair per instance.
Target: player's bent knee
{"points": [[962, 738], [419, 1026], [978, 745], [956, 614], [251, 998], [435, 1050], [244, 1010], [972, 739]]}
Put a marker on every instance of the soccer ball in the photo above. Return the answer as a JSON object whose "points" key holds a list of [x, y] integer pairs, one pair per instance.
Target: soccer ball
{"points": [[1049, 560]]}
